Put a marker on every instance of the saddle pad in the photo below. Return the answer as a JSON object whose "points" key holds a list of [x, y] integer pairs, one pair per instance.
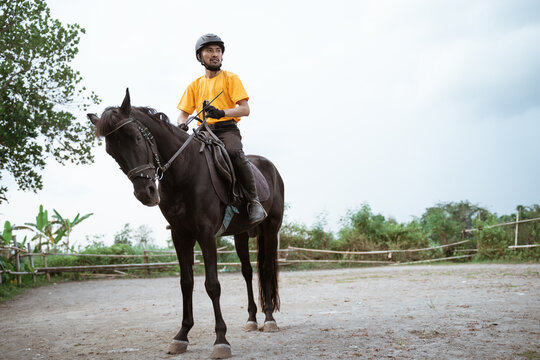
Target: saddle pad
{"points": [[261, 184], [221, 186]]}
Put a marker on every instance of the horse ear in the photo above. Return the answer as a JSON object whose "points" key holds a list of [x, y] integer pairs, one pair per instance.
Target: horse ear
{"points": [[126, 104], [93, 118]]}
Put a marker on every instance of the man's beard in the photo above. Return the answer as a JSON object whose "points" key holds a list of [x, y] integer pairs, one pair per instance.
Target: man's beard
{"points": [[212, 67]]}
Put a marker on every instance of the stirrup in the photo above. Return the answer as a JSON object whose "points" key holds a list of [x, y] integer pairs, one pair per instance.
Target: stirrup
{"points": [[256, 212]]}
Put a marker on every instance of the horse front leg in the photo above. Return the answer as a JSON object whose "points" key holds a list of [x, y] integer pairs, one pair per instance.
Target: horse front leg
{"points": [[184, 250], [222, 348], [241, 243]]}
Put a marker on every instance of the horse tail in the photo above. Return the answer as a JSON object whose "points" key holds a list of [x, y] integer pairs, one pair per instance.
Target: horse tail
{"points": [[267, 264]]}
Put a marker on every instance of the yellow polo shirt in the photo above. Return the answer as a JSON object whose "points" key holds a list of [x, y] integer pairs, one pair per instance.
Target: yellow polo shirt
{"points": [[206, 89]]}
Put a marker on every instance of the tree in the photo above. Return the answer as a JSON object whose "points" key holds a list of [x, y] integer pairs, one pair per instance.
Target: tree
{"points": [[124, 236], [444, 222], [38, 92], [143, 235]]}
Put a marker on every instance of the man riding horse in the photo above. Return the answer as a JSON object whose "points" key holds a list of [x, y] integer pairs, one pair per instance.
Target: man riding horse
{"points": [[229, 107]]}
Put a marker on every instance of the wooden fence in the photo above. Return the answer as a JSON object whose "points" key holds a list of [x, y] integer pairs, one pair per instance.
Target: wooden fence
{"points": [[19, 253], [283, 257], [516, 231]]}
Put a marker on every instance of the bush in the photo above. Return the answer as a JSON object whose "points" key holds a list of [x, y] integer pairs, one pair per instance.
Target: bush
{"points": [[365, 231]]}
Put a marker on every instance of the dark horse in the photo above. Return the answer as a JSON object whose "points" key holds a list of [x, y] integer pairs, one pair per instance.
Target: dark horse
{"points": [[140, 140]]}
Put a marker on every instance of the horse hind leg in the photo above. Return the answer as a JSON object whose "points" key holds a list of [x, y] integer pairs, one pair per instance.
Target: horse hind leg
{"points": [[241, 243], [268, 275]]}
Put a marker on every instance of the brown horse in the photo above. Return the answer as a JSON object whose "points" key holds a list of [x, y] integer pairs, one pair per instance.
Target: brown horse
{"points": [[141, 140]]}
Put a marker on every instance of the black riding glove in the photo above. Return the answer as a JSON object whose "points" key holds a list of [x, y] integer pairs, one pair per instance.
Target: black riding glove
{"points": [[183, 126], [214, 113]]}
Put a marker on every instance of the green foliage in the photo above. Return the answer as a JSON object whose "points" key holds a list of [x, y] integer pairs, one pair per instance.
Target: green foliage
{"points": [[124, 236], [43, 229], [66, 226], [143, 236], [529, 233], [321, 238], [37, 85], [293, 234], [445, 222], [493, 242], [298, 235], [7, 234], [226, 243], [49, 232], [362, 230], [9, 286], [442, 224], [365, 231]]}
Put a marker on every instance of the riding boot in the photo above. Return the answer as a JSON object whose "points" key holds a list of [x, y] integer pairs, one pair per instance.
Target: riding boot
{"points": [[255, 210]]}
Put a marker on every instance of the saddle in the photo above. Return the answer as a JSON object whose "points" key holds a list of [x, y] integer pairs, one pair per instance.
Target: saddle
{"points": [[224, 181]]}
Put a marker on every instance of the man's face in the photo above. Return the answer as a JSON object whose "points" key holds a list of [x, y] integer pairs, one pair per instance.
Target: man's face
{"points": [[212, 56]]}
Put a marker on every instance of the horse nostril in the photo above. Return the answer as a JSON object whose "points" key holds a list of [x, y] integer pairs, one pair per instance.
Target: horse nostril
{"points": [[151, 189]]}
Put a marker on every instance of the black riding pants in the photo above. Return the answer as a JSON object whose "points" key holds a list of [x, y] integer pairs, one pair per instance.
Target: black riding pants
{"points": [[229, 134]]}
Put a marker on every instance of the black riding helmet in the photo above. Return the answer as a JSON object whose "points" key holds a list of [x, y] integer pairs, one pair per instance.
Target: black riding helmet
{"points": [[208, 39]]}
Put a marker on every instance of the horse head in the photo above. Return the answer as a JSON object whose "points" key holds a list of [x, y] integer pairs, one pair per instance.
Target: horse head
{"points": [[127, 142]]}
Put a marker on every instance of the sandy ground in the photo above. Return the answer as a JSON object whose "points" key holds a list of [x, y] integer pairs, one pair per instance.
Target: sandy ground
{"points": [[420, 312]]}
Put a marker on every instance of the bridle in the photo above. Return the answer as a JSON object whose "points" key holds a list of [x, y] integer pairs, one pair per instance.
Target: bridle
{"points": [[139, 171]]}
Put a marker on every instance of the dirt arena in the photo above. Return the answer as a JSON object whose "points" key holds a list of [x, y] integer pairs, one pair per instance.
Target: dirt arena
{"points": [[414, 312]]}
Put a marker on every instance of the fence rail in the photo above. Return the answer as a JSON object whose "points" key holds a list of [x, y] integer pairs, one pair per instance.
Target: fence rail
{"points": [[378, 251], [517, 222], [523, 246], [516, 232], [147, 254]]}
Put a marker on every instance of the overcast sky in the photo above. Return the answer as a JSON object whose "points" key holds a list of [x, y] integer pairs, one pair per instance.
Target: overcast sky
{"points": [[398, 104]]}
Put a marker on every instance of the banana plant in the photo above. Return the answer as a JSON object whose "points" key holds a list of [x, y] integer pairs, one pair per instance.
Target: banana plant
{"points": [[66, 225], [44, 230], [6, 238], [7, 234]]}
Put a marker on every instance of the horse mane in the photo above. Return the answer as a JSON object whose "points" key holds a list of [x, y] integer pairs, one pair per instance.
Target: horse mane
{"points": [[111, 117]]}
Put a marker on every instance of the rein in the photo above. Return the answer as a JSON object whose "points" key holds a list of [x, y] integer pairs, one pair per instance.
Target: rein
{"points": [[160, 169]]}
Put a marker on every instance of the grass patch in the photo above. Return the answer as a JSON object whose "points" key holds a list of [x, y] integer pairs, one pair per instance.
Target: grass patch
{"points": [[531, 354]]}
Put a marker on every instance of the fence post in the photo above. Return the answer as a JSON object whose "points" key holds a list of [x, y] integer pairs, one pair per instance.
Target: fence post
{"points": [[32, 263], [17, 260], [45, 265], [517, 228], [146, 261]]}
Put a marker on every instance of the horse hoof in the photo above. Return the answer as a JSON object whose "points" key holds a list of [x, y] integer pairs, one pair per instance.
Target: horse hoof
{"points": [[270, 326], [251, 326], [177, 347], [221, 351]]}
